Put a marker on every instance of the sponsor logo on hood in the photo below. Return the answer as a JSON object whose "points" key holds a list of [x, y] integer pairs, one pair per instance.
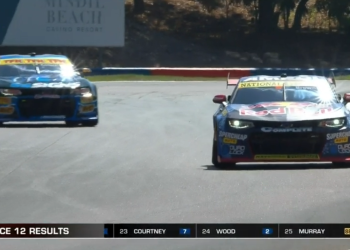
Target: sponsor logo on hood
{"points": [[285, 130], [286, 108], [285, 111], [287, 157], [53, 117], [38, 96], [344, 149], [72, 85], [237, 150], [233, 136], [341, 140], [283, 104], [338, 135]]}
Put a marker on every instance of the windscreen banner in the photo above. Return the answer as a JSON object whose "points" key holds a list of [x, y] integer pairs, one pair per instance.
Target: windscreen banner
{"points": [[69, 23]]}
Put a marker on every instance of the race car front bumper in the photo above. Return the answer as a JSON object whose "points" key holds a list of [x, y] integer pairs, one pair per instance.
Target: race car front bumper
{"points": [[301, 159], [47, 108], [317, 146]]}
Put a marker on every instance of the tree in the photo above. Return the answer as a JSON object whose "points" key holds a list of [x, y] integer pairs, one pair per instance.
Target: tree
{"points": [[211, 5], [286, 6], [139, 6], [299, 13], [338, 10], [267, 17]]}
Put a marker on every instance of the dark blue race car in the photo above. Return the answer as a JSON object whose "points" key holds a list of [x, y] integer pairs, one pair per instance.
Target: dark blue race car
{"points": [[45, 88], [280, 118]]}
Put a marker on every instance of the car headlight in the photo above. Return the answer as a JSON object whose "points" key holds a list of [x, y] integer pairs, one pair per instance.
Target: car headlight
{"points": [[85, 92], [10, 92], [333, 123], [237, 124]]}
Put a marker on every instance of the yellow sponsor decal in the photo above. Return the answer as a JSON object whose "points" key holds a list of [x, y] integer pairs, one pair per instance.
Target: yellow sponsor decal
{"points": [[260, 84], [86, 99], [346, 231], [230, 141], [341, 140], [224, 112], [7, 110], [88, 108], [5, 100], [35, 61], [278, 84], [287, 157]]}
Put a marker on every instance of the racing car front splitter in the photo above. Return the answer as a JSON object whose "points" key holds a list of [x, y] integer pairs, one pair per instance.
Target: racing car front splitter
{"points": [[284, 158]]}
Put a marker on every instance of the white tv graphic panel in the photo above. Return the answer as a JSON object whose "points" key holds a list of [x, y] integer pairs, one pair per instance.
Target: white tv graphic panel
{"points": [[95, 23]]}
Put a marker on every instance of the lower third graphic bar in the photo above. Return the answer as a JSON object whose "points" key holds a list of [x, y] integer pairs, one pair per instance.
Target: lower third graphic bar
{"points": [[237, 230], [51, 231], [155, 230]]}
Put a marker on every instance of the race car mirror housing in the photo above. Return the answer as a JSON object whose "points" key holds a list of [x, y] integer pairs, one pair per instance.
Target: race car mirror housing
{"points": [[84, 71], [219, 99], [346, 97]]}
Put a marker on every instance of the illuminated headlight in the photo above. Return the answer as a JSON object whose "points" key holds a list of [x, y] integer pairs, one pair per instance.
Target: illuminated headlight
{"points": [[240, 124], [10, 92], [86, 92], [333, 123], [81, 91]]}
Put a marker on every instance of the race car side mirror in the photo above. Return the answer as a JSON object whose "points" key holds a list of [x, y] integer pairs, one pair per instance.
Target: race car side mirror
{"points": [[84, 71], [346, 97], [219, 99]]}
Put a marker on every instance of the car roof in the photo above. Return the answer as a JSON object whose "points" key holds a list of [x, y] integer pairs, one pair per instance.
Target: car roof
{"points": [[42, 56]]}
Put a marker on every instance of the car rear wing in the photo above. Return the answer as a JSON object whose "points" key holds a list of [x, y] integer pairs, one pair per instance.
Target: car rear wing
{"points": [[231, 81]]}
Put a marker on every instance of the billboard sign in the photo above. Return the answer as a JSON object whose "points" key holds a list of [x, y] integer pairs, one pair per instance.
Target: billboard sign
{"points": [[71, 23]]}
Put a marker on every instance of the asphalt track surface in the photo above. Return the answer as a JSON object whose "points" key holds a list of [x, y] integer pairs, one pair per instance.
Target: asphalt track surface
{"points": [[149, 160]]}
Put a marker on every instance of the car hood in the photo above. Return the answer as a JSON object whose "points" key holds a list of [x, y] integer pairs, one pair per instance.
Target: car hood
{"points": [[43, 81], [286, 111]]}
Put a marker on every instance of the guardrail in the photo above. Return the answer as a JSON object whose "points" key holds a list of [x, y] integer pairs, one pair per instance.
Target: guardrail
{"points": [[216, 72]]}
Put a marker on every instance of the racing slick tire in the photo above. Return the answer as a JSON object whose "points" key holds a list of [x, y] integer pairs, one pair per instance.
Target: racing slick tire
{"points": [[341, 164], [214, 159]]}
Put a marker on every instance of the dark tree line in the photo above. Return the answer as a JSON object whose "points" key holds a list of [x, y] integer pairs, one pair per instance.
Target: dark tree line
{"points": [[139, 6], [267, 12]]}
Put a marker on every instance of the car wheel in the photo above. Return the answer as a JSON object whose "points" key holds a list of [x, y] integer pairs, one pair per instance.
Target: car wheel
{"points": [[341, 164], [72, 123], [214, 159], [91, 123]]}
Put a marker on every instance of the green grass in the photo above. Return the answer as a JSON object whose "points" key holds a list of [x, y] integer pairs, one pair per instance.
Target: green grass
{"points": [[343, 77], [150, 78]]}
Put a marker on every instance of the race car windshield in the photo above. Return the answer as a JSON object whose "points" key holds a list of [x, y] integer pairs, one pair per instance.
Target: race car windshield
{"points": [[26, 70], [316, 94]]}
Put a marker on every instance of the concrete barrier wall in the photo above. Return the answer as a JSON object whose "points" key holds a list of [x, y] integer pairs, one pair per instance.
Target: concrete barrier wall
{"points": [[218, 72]]}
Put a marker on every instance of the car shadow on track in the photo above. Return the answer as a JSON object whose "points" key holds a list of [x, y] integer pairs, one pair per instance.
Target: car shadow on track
{"points": [[35, 125], [275, 166]]}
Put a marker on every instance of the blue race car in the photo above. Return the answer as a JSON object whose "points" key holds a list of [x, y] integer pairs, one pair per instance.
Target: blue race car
{"points": [[45, 88], [281, 119]]}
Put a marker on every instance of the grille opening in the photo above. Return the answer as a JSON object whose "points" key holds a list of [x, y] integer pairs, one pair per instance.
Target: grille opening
{"points": [[296, 124], [47, 107], [287, 143], [51, 91]]}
